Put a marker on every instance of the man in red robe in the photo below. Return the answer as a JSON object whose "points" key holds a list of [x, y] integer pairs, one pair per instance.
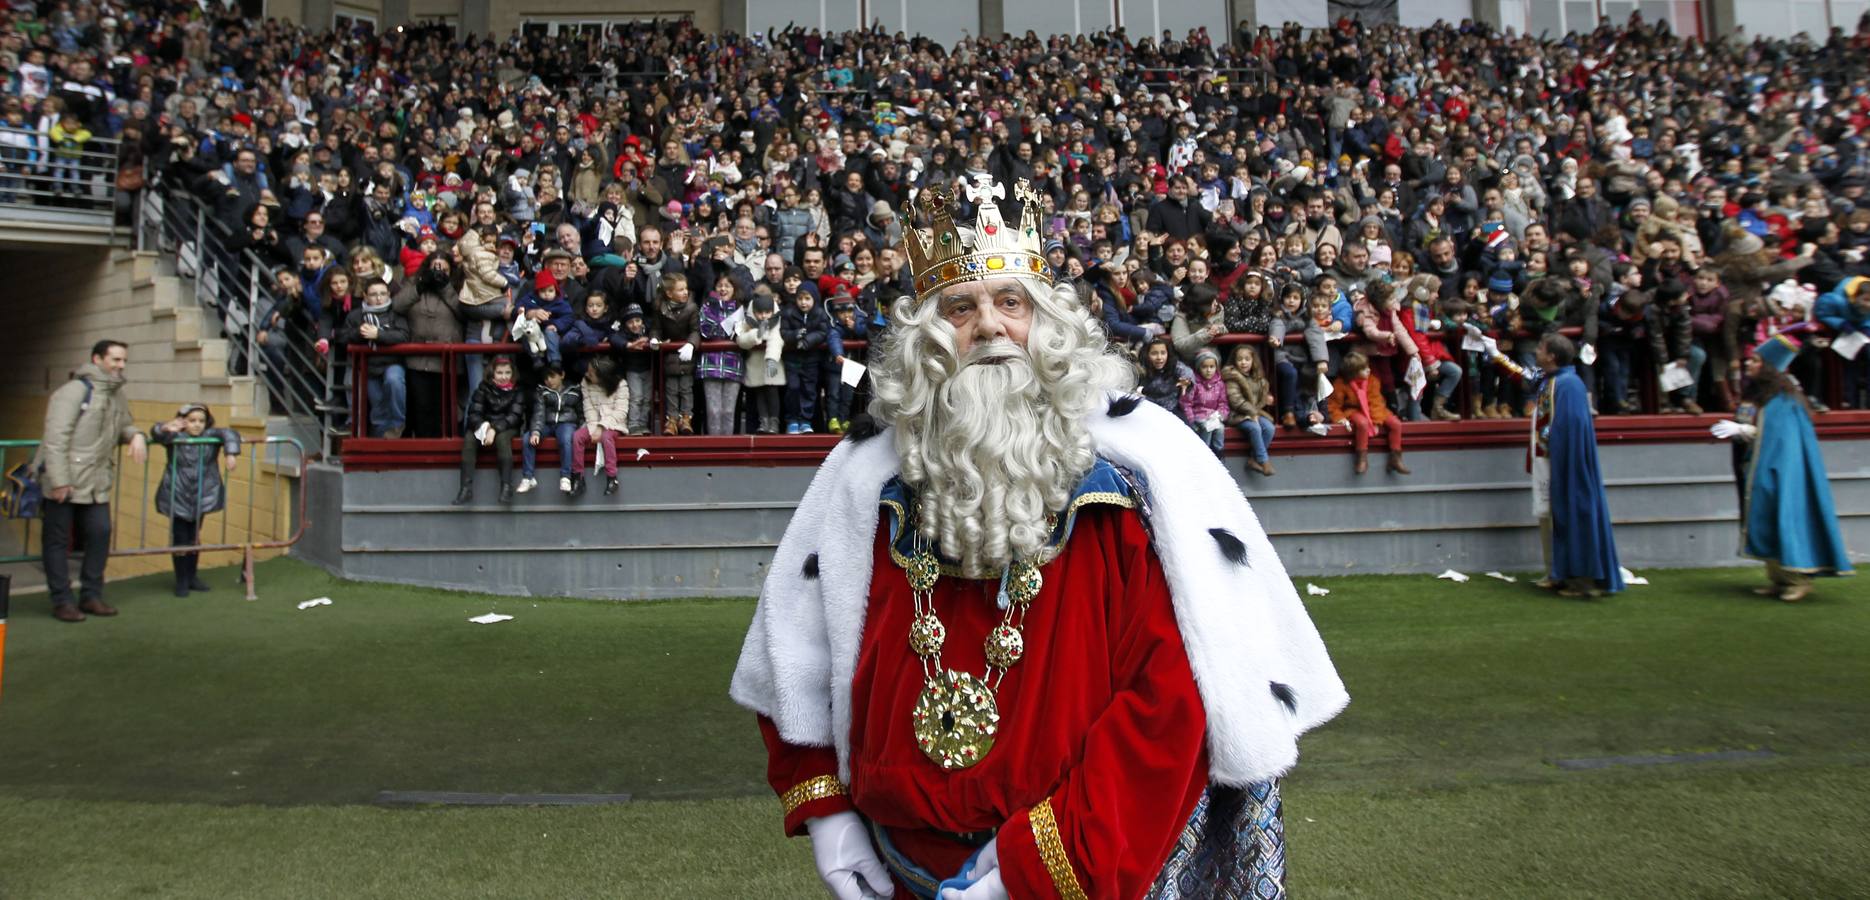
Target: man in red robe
{"points": [[1027, 639]]}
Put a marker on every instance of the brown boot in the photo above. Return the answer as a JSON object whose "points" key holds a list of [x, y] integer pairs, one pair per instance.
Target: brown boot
{"points": [[669, 425], [98, 608], [1438, 410], [1362, 463], [65, 612], [686, 425], [1474, 409], [1691, 407], [1266, 468], [1396, 464], [1289, 420]]}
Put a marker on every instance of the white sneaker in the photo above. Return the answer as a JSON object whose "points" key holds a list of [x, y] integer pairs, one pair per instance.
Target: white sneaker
{"points": [[564, 484], [526, 485]]}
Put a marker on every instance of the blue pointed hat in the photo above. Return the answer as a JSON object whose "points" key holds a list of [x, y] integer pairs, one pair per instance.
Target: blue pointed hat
{"points": [[1778, 351]]}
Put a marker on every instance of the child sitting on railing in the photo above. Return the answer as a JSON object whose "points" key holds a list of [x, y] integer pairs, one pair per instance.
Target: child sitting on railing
{"points": [[606, 411], [495, 415], [191, 485]]}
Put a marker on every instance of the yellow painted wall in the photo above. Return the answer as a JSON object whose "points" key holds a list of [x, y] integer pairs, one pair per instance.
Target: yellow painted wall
{"points": [[57, 304]]}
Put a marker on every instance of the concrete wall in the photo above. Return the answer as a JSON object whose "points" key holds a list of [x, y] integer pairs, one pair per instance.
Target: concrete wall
{"points": [[676, 532], [57, 304]]}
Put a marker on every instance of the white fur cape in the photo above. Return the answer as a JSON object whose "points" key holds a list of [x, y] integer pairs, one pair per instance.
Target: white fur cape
{"points": [[1261, 668]]}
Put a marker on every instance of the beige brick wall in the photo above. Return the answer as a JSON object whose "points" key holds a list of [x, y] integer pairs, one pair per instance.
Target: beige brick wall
{"points": [[57, 304]]}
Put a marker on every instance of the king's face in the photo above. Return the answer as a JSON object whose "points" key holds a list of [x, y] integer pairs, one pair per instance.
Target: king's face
{"points": [[985, 311]]}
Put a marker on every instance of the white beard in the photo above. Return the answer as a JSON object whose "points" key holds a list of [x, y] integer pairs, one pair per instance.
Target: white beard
{"points": [[995, 457]]}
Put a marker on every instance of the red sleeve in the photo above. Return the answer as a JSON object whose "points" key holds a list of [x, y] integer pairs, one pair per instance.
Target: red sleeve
{"points": [[1108, 827], [805, 778]]}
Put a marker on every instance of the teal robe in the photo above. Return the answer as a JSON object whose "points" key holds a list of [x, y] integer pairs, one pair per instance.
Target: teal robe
{"points": [[1789, 518]]}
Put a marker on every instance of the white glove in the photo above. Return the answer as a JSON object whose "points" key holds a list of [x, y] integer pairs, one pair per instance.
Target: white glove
{"points": [[1727, 429], [846, 860], [1493, 346], [989, 887], [686, 353]]}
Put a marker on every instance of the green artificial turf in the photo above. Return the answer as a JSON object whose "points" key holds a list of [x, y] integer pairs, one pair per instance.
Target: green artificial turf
{"points": [[213, 747]]}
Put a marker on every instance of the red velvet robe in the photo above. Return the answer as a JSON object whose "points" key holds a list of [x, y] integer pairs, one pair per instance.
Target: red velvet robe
{"points": [[1101, 719]]}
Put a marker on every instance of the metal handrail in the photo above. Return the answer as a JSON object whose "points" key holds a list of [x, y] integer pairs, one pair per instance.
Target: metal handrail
{"points": [[146, 505], [235, 287], [33, 173]]}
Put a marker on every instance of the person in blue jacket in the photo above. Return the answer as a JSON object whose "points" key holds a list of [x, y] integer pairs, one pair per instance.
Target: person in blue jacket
{"points": [[1568, 487], [1786, 516], [1846, 311]]}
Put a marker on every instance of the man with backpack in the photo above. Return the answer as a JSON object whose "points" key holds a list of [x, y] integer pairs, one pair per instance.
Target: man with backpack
{"points": [[85, 421]]}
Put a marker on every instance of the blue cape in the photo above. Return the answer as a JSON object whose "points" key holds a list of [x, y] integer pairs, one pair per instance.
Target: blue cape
{"points": [[1582, 543], [1789, 517]]}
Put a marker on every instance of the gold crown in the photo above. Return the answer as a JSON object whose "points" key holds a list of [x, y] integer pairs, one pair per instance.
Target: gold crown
{"points": [[940, 256]]}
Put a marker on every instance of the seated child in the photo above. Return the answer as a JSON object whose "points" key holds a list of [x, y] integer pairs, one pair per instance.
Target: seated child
{"points": [[1247, 398], [557, 412], [495, 415], [1357, 399], [606, 410]]}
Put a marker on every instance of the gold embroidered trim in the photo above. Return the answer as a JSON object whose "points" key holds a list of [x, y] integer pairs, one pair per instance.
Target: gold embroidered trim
{"points": [[1052, 851], [811, 789]]}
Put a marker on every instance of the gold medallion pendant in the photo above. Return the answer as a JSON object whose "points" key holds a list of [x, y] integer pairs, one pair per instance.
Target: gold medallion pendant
{"points": [[956, 719]]}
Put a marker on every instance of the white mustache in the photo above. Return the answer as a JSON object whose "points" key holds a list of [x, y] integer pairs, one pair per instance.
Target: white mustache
{"points": [[994, 353]]}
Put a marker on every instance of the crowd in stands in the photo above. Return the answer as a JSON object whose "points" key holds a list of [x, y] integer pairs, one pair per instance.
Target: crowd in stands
{"points": [[656, 206]]}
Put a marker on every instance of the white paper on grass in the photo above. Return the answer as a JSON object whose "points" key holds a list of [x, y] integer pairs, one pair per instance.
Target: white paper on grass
{"points": [[1315, 590], [326, 601], [489, 619], [1503, 577], [1416, 378], [1453, 576], [1848, 346], [852, 372], [1587, 354], [1675, 377], [1630, 577]]}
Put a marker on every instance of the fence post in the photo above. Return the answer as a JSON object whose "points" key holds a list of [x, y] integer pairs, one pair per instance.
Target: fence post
{"points": [[201, 251]]}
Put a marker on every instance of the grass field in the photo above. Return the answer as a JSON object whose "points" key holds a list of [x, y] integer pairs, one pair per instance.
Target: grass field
{"points": [[211, 747]]}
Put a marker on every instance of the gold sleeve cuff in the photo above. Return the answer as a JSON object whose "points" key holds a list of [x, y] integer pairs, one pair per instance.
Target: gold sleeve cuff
{"points": [[811, 789], [1052, 851]]}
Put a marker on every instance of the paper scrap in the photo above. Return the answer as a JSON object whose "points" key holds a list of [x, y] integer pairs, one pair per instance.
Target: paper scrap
{"points": [[1315, 590], [1587, 354], [1675, 377], [640, 453], [489, 619], [1416, 378], [1324, 387], [326, 601], [1453, 576], [1849, 345], [1630, 577], [1320, 429], [1473, 343], [1503, 577], [852, 372]]}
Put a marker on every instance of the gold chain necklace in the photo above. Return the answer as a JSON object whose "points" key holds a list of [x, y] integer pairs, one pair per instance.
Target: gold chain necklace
{"points": [[957, 715]]}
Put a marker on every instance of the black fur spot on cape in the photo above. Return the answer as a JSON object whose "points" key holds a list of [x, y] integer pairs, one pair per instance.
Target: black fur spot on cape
{"points": [[811, 566], [1283, 693], [863, 428], [1124, 405], [1231, 547]]}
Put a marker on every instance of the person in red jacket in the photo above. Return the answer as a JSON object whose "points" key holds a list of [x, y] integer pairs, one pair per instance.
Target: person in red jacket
{"points": [[1438, 365], [1003, 649]]}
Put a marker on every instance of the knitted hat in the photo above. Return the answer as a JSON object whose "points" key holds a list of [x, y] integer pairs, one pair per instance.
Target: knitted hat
{"points": [[544, 281], [631, 311], [1207, 353], [1500, 282], [1778, 351]]}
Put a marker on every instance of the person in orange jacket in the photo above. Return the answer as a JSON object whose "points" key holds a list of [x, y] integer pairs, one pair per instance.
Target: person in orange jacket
{"points": [[1357, 402]]}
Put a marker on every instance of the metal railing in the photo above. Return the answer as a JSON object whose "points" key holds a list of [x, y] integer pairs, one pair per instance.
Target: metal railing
{"points": [[1642, 377], [236, 289], [44, 170], [253, 456]]}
